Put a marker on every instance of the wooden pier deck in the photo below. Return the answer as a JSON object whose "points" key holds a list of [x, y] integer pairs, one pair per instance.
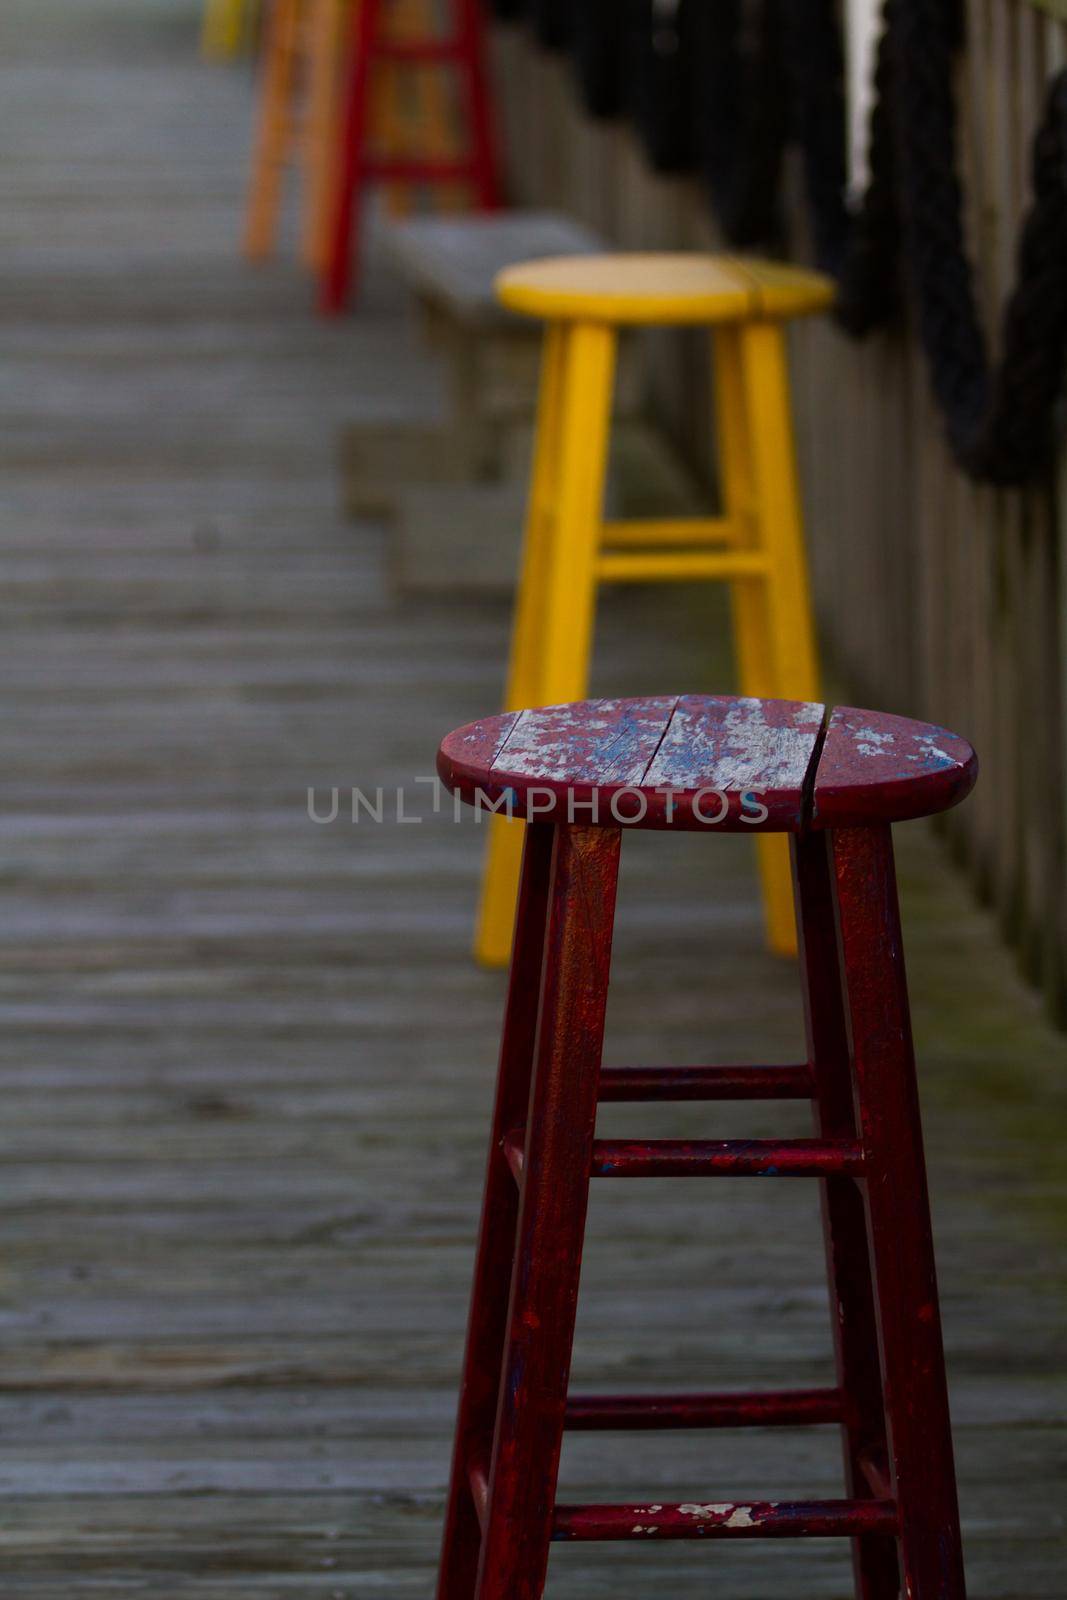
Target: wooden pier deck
{"points": [[245, 1060]]}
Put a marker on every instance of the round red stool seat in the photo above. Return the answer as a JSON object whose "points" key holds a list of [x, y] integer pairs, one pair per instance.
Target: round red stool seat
{"points": [[699, 761]]}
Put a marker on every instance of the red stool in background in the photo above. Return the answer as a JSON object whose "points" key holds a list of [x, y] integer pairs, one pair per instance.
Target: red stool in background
{"points": [[834, 783], [359, 168]]}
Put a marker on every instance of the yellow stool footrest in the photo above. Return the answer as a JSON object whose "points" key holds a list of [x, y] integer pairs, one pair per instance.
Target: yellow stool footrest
{"points": [[654, 567], [646, 534]]}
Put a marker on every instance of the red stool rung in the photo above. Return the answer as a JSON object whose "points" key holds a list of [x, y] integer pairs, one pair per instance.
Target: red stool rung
{"points": [[360, 168], [855, 773]]}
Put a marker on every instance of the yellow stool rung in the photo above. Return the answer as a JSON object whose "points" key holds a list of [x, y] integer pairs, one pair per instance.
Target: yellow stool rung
{"points": [[646, 534], [666, 567]]}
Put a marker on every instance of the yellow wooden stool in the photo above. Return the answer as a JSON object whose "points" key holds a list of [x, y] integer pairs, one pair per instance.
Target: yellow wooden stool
{"points": [[756, 544]]}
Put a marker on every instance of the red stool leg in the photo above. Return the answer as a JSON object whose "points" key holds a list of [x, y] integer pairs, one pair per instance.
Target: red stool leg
{"points": [[922, 1473], [874, 1557], [348, 194], [555, 1174], [470, 29], [500, 1210]]}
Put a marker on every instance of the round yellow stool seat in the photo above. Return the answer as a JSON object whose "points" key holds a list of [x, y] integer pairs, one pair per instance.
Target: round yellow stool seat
{"points": [[660, 288]]}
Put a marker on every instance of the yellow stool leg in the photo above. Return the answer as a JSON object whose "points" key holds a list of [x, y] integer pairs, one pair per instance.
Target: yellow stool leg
{"points": [[784, 660], [274, 129], [748, 603], [493, 933], [556, 602], [755, 663], [492, 940], [528, 626], [320, 133], [570, 593], [777, 498]]}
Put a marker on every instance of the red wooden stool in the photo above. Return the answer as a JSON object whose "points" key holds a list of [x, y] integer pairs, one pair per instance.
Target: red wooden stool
{"points": [[835, 782], [360, 168]]}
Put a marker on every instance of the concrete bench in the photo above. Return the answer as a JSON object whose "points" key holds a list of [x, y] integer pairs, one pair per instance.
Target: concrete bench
{"points": [[454, 491], [452, 262], [491, 357]]}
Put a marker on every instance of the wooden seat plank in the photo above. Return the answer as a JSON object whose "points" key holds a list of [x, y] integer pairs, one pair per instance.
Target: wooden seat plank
{"points": [[591, 742], [474, 748], [739, 745], [880, 767]]}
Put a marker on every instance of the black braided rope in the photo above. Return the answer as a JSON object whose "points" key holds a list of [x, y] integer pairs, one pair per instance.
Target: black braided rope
{"points": [[727, 84], [740, 108], [598, 45], [1017, 436], [660, 72], [857, 247], [999, 419], [552, 20]]}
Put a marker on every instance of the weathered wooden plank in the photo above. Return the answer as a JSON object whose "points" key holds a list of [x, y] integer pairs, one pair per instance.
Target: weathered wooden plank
{"points": [[763, 747], [874, 766]]}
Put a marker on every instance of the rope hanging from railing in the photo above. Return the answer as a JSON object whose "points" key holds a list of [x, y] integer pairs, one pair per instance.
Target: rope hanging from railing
{"points": [[552, 22], [998, 417], [599, 52], [661, 62], [741, 115], [726, 85], [857, 246]]}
